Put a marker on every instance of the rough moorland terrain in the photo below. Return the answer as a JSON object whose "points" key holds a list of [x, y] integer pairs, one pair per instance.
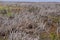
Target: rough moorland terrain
{"points": [[29, 21]]}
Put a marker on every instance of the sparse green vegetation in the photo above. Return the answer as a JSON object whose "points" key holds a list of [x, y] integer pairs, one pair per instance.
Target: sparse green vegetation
{"points": [[5, 11], [9, 14], [53, 36]]}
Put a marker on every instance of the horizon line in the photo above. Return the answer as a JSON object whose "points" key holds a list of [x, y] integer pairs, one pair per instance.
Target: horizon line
{"points": [[32, 1]]}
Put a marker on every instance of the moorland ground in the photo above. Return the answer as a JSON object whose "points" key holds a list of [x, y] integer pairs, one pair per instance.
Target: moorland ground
{"points": [[29, 21]]}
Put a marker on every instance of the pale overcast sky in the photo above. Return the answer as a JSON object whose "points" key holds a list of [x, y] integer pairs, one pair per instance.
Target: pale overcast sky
{"points": [[33, 0]]}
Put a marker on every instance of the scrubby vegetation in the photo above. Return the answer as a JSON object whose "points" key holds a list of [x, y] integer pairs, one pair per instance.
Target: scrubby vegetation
{"points": [[34, 21], [34, 9]]}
